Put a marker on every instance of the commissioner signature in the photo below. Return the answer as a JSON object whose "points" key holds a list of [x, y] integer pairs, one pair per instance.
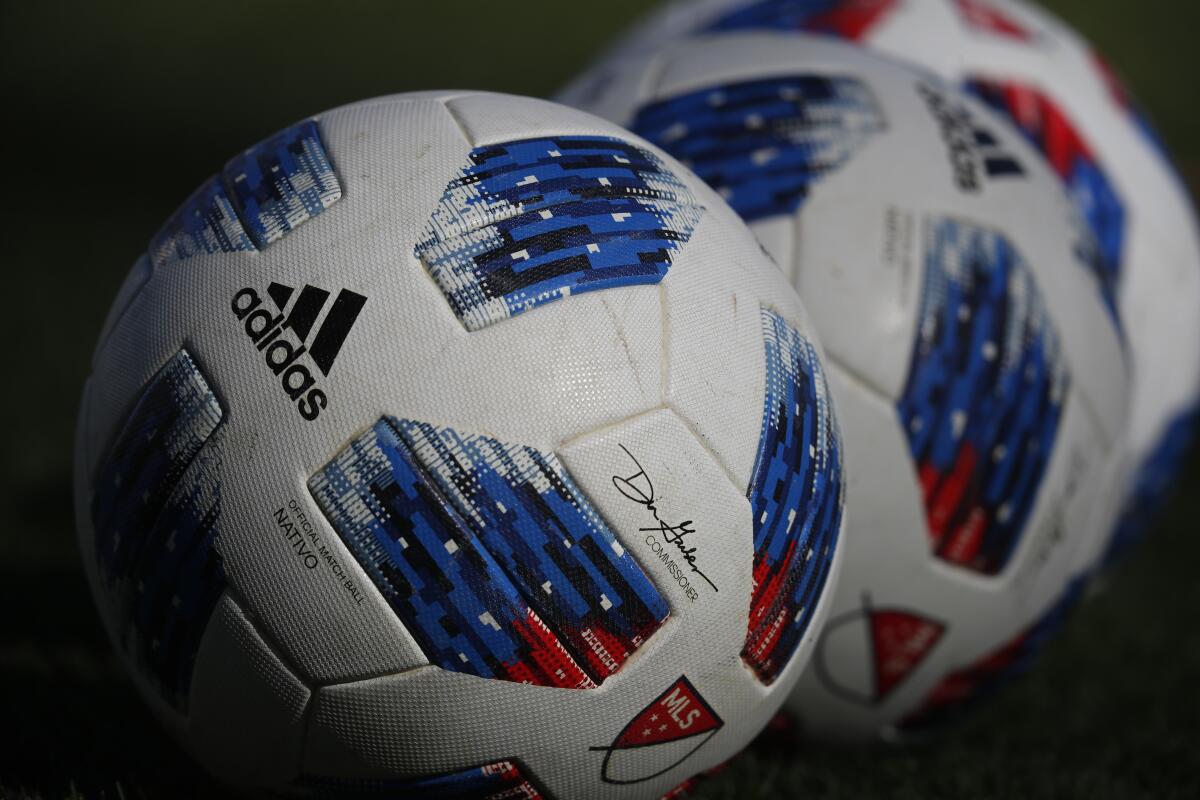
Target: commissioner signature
{"points": [[638, 488]]}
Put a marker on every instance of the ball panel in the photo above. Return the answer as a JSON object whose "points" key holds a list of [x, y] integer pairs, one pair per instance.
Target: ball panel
{"points": [[763, 143], [490, 555], [260, 195], [795, 495], [206, 223], [485, 119], [984, 395], [674, 510], [717, 391], [155, 514], [902, 624], [131, 287], [247, 716], [535, 220]]}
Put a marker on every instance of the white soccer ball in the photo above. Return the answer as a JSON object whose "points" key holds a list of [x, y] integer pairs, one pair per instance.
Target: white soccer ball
{"points": [[458, 441], [973, 356], [1049, 82]]}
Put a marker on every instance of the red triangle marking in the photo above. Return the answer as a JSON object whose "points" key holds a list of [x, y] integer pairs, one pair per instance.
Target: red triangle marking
{"points": [[900, 641]]}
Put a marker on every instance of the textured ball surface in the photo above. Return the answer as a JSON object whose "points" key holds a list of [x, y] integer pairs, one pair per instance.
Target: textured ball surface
{"points": [[464, 445]]}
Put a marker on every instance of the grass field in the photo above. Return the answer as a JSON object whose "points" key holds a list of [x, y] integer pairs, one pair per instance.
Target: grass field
{"points": [[116, 111]]}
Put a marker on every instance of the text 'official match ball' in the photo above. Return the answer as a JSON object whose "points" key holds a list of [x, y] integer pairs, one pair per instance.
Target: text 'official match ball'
{"points": [[459, 444]]}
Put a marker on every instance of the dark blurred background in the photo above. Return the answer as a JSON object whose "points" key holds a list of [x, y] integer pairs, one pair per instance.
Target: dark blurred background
{"points": [[114, 112]]}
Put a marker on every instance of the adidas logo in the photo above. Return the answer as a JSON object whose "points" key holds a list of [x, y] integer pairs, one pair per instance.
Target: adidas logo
{"points": [[269, 331], [973, 150]]}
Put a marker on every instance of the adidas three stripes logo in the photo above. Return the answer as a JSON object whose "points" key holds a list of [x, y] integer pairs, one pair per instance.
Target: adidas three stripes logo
{"points": [[305, 311], [303, 328]]}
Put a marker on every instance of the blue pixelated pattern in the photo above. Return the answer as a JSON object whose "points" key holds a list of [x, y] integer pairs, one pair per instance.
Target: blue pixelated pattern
{"points": [[205, 223], [155, 512], [258, 197], [796, 495], [281, 182], [984, 394], [763, 144], [490, 555], [535, 220], [1102, 210]]}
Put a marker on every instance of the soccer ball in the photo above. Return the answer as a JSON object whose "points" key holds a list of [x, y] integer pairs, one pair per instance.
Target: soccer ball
{"points": [[1049, 82], [461, 445], [973, 351]]}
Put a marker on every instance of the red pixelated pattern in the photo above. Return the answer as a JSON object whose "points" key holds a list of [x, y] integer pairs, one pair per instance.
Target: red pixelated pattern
{"points": [[769, 615], [1044, 121], [944, 496], [551, 664]]}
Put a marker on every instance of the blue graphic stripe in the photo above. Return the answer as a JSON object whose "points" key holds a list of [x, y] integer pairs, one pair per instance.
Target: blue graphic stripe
{"points": [[258, 197], [796, 495], [282, 182], [503, 780], [537, 524], [206, 223], [449, 592], [155, 511], [1102, 210], [174, 417], [763, 143], [469, 538], [179, 577], [984, 394], [532, 221]]}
